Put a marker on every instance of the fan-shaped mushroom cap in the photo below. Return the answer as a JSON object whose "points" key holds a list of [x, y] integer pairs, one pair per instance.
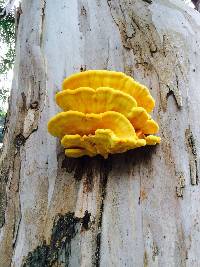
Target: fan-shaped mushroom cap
{"points": [[89, 100], [77, 141], [141, 120], [75, 122], [116, 80]]}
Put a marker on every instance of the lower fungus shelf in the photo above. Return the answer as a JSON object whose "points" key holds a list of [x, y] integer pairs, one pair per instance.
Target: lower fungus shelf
{"points": [[103, 142]]}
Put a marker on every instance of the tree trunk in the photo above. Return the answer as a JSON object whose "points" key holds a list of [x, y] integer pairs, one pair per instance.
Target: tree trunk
{"points": [[140, 208]]}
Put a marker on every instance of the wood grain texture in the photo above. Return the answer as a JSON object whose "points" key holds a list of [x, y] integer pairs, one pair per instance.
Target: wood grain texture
{"points": [[140, 208]]}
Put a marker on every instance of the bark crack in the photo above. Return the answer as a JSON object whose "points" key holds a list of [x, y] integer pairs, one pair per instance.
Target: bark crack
{"points": [[17, 226], [42, 21], [104, 172], [180, 187], [108, 55], [193, 165], [148, 1]]}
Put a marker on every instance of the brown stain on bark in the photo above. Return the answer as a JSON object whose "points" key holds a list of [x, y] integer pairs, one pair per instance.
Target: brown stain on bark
{"points": [[145, 259], [82, 168], [84, 17], [155, 251], [143, 195]]}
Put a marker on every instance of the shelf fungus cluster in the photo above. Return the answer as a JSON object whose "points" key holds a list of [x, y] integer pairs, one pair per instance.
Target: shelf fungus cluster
{"points": [[104, 112]]}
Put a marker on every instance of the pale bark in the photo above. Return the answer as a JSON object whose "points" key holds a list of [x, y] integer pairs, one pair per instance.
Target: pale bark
{"points": [[140, 208]]}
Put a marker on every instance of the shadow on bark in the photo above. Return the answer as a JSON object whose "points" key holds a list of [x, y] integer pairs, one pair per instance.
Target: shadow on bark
{"points": [[67, 226]]}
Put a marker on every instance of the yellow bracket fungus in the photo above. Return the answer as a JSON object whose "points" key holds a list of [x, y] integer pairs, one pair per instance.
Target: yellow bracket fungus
{"points": [[105, 112]]}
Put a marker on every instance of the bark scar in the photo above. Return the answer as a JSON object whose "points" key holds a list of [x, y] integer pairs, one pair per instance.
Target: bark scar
{"points": [[180, 187], [175, 92]]}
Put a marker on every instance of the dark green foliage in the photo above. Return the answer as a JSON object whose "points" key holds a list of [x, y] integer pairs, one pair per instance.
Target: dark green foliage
{"points": [[3, 100], [7, 33], [3, 95], [7, 55], [2, 120]]}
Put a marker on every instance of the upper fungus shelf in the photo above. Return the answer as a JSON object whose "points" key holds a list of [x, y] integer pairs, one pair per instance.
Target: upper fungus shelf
{"points": [[115, 80]]}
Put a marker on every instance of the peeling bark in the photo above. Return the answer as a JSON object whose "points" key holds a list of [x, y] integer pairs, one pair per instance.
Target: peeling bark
{"points": [[140, 208]]}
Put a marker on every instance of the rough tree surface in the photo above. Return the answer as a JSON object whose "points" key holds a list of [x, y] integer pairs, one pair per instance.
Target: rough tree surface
{"points": [[140, 208]]}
